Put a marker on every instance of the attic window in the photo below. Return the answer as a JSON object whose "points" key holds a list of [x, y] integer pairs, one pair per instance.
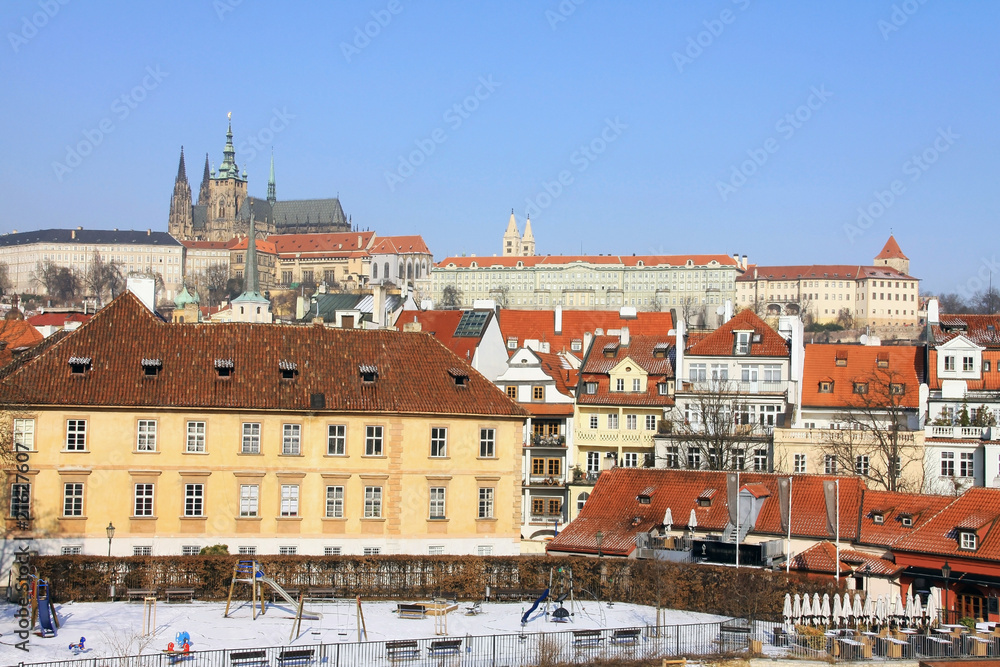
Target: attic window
{"points": [[590, 387], [756, 338], [79, 365], [643, 499], [897, 389], [288, 369], [576, 345], [882, 361], [224, 368], [906, 520], [151, 367], [705, 498], [512, 343], [860, 387], [461, 377], [610, 350], [369, 373], [878, 518], [660, 350], [826, 387], [968, 540], [742, 342]]}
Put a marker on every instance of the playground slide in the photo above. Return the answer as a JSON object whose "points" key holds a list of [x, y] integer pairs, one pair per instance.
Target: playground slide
{"points": [[540, 600], [283, 593], [45, 618]]}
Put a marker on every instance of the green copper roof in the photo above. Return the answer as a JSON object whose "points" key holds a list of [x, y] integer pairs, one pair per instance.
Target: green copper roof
{"points": [[185, 297], [228, 168]]}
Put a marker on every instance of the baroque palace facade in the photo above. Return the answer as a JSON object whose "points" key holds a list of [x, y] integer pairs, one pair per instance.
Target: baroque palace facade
{"points": [[257, 437]]}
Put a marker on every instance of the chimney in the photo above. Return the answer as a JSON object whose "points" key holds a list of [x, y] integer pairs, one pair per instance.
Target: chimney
{"points": [[624, 337], [558, 324], [588, 338], [412, 326], [72, 233], [378, 307], [933, 317], [359, 241], [744, 261], [149, 232], [729, 311]]}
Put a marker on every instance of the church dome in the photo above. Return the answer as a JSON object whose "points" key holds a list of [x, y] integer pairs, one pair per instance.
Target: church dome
{"points": [[185, 297]]}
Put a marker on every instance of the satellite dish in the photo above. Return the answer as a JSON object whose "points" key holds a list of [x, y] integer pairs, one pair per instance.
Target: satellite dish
{"points": [[721, 310], [863, 339]]}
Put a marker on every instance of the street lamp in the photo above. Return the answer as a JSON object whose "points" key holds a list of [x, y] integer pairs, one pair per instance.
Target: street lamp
{"points": [[111, 533], [946, 572]]}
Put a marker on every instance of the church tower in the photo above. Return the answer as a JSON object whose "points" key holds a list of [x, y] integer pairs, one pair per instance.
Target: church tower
{"points": [[511, 238], [251, 306], [227, 190], [271, 194], [204, 193], [892, 256], [180, 224], [528, 241]]}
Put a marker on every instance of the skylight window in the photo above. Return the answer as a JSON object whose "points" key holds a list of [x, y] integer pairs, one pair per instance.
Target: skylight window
{"points": [[79, 365], [224, 368], [152, 367], [288, 369], [369, 372], [461, 377]]}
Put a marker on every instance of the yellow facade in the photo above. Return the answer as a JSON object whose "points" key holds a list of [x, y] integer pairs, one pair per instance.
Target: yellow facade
{"points": [[118, 454]]}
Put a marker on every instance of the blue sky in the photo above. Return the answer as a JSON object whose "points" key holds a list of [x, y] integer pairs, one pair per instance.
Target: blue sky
{"points": [[674, 127]]}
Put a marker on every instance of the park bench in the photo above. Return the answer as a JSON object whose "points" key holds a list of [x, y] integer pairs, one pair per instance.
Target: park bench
{"points": [[444, 647], [403, 649], [139, 593], [187, 593], [245, 658], [626, 636], [450, 596], [319, 592], [587, 638], [302, 656], [411, 610]]}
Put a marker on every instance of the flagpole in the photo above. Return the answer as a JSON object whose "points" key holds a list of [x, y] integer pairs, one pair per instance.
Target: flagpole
{"points": [[836, 566], [737, 519], [788, 542]]}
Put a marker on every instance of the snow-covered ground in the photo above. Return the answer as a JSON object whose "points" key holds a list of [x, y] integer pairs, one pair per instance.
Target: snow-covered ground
{"points": [[114, 628]]}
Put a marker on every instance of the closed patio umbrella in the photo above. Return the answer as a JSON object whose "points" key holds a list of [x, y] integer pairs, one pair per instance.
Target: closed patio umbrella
{"points": [[692, 520], [807, 611], [845, 609], [932, 609], [909, 606], [897, 607], [918, 612], [817, 607], [825, 609], [797, 610], [836, 610], [857, 611], [881, 613], [787, 609], [869, 609]]}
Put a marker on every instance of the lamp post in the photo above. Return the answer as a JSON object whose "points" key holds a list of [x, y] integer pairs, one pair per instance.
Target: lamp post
{"points": [[946, 573], [600, 572], [110, 530]]}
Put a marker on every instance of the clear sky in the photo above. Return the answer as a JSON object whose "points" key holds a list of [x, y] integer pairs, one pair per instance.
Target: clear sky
{"points": [[725, 126]]}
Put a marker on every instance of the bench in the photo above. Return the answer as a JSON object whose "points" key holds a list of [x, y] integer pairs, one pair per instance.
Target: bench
{"points": [[402, 649], [321, 593], [445, 595], [140, 593], [244, 658], [587, 638], [187, 593], [411, 610], [627, 636], [444, 647], [302, 656]]}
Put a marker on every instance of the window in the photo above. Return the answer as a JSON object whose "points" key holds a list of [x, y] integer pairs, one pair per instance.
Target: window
{"points": [[826, 387], [336, 440], [742, 342], [249, 499], [291, 439], [76, 435], [613, 421], [698, 372], [897, 389], [190, 550], [251, 438], [511, 390], [146, 437], [967, 540], [772, 373], [373, 441], [947, 464], [331, 551], [334, 502], [620, 384], [590, 387], [830, 464], [247, 551], [20, 501], [694, 459], [287, 550], [73, 499], [24, 435], [760, 460], [739, 459], [435, 550], [373, 502], [630, 460], [439, 442], [949, 363], [966, 464], [581, 500], [661, 388], [437, 505], [487, 443], [195, 436], [372, 551], [538, 393], [720, 372], [143, 500], [636, 384], [967, 363], [861, 466], [485, 503], [593, 462], [650, 422], [593, 421], [986, 365], [194, 500], [484, 550], [146, 550], [860, 387], [631, 422], [289, 500], [72, 550]]}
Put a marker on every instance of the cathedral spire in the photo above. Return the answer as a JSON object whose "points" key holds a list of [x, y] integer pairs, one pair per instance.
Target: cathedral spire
{"points": [[203, 192], [271, 197], [181, 170], [228, 168]]}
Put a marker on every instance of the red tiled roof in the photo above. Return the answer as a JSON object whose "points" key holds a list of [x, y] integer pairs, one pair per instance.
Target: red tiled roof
{"points": [[57, 319], [988, 381], [939, 536], [205, 245], [556, 368], [559, 260], [323, 244], [721, 341], [412, 368], [397, 245], [17, 336], [540, 325], [905, 367], [442, 324], [820, 559], [820, 271], [983, 330], [891, 250], [893, 506], [598, 365], [548, 409], [262, 246]]}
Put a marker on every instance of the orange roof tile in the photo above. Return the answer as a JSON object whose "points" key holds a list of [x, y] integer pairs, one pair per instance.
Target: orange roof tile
{"points": [[397, 245], [893, 507], [980, 329], [988, 380], [205, 245], [820, 559], [442, 325], [262, 246], [321, 243], [560, 260], [820, 272], [905, 366], [540, 325], [939, 535], [413, 368], [891, 250], [17, 336], [721, 342], [642, 351]]}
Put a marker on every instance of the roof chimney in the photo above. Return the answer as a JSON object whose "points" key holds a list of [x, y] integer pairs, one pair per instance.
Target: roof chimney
{"points": [[149, 232], [72, 233], [624, 337], [558, 324], [932, 312], [744, 261]]}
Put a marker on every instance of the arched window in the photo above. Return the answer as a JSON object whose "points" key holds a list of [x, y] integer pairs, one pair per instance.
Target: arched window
{"points": [[385, 271], [581, 501], [409, 271], [375, 271], [401, 274], [241, 310], [258, 310]]}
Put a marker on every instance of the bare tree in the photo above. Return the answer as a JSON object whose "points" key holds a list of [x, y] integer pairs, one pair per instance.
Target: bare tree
{"points": [[451, 298], [845, 318], [211, 281], [873, 440], [500, 295], [59, 282], [5, 281], [102, 278]]}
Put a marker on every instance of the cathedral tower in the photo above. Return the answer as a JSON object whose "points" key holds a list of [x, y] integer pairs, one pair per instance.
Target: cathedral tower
{"points": [[893, 256], [179, 224], [528, 241], [227, 190], [511, 238]]}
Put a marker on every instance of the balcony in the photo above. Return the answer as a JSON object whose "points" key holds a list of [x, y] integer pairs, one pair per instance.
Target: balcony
{"points": [[547, 519], [732, 387], [539, 440], [585, 478], [544, 480], [958, 432]]}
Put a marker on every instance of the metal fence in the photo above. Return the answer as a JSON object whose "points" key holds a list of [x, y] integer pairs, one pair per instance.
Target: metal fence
{"points": [[572, 646]]}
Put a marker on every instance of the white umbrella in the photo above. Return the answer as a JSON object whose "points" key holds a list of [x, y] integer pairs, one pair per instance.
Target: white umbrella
{"points": [[897, 607], [692, 520], [836, 610], [817, 607], [668, 519], [787, 610], [845, 609], [857, 610], [932, 611], [909, 605], [917, 614], [880, 609], [807, 611], [826, 609], [797, 610], [869, 610]]}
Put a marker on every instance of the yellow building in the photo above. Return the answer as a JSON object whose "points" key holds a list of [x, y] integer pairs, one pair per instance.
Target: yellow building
{"points": [[267, 438]]}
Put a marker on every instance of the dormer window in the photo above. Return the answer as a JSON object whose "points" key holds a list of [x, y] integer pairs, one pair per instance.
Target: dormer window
{"points": [[576, 345], [860, 387], [79, 365], [906, 520], [661, 389], [742, 344], [878, 518], [883, 360], [288, 369], [660, 350], [897, 389], [610, 350], [224, 368], [512, 343], [826, 387], [151, 367], [705, 498], [460, 377], [590, 388], [968, 540], [643, 499], [368, 372], [841, 358]]}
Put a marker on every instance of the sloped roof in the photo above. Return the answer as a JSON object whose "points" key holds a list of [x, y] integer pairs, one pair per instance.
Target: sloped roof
{"points": [[540, 325], [261, 245], [57, 319], [721, 341], [412, 368], [905, 367], [820, 272], [399, 245], [939, 536], [17, 336], [820, 559], [891, 250], [988, 381], [893, 506], [321, 244], [89, 237], [442, 325], [308, 212], [205, 245], [598, 364], [600, 260], [561, 372], [980, 329]]}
